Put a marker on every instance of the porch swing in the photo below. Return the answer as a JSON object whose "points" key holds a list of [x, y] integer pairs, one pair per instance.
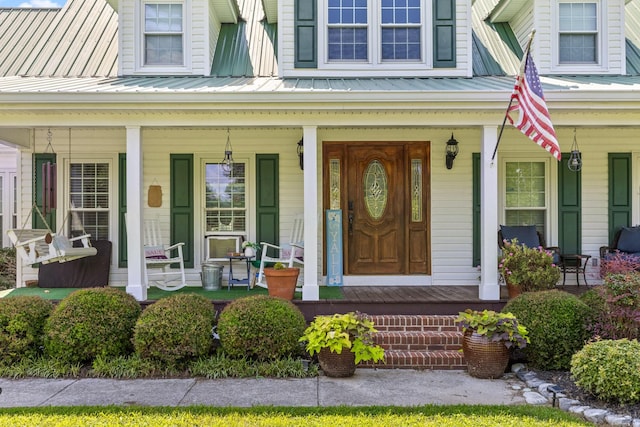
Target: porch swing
{"points": [[42, 245]]}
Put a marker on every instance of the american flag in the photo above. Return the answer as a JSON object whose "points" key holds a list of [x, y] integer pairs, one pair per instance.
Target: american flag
{"points": [[534, 120]]}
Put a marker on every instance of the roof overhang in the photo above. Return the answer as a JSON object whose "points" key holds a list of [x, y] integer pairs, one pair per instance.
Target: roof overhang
{"points": [[270, 10], [505, 10], [227, 11]]}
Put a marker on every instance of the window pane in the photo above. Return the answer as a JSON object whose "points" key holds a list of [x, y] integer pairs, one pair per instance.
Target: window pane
{"points": [[163, 50], [401, 44], [89, 195], [347, 44], [525, 184], [225, 198], [577, 48]]}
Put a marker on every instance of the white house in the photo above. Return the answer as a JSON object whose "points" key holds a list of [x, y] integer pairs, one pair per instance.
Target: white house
{"points": [[148, 92]]}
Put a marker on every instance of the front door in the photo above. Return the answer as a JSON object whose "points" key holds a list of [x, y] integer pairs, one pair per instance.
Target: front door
{"points": [[384, 199]]}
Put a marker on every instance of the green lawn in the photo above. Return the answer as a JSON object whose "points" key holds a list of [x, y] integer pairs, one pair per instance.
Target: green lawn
{"points": [[326, 292], [430, 416]]}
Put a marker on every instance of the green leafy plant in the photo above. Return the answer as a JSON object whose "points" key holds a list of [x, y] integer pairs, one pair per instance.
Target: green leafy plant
{"points": [[617, 315], [91, 322], [278, 266], [253, 245], [22, 321], [7, 268], [352, 331], [531, 269], [557, 325], [175, 330], [261, 327], [608, 369], [496, 326]]}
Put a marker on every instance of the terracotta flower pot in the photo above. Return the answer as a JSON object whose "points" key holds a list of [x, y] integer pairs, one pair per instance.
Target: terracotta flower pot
{"points": [[337, 365], [513, 290], [282, 283], [485, 358]]}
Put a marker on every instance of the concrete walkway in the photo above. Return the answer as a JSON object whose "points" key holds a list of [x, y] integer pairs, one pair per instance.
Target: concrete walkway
{"points": [[367, 387]]}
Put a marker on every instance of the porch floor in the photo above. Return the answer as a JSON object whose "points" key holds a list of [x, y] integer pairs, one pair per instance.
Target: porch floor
{"points": [[405, 300]]}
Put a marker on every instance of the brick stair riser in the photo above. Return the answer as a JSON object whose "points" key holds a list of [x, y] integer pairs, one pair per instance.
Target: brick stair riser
{"points": [[400, 323], [436, 360], [419, 341]]}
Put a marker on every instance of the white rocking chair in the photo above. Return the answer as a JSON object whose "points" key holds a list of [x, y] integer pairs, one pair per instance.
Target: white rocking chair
{"points": [[289, 254], [157, 256]]}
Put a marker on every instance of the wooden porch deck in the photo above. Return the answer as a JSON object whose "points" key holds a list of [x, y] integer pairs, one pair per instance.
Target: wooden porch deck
{"points": [[411, 300]]}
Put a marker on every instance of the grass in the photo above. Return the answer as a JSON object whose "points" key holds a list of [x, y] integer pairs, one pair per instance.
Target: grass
{"points": [[428, 415], [153, 293]]}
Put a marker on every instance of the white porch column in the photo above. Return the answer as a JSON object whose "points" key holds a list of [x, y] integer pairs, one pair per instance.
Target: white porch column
{"points": [[489, 287], [310, 290], [135, 261]]}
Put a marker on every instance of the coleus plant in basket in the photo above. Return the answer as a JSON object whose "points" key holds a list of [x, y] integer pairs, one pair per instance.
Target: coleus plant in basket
{"points": [[351, 331], [496, 326]]}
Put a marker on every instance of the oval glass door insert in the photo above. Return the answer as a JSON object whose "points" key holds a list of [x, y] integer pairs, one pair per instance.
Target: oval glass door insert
{"points": [[375, 189]]}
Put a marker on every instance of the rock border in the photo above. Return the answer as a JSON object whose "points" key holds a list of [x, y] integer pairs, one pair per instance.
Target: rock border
{"points": [[539, 392]]}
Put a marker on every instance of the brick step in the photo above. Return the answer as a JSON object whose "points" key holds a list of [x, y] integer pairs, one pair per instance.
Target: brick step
{"points": [[414, 323], [436, 360], [419, 341]]}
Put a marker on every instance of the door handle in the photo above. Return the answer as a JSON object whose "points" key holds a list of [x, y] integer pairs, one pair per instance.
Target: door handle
{"points": [[350, 217]]}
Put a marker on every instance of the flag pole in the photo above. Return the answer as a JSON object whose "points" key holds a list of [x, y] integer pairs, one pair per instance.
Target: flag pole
{"points": [[506, 114]]}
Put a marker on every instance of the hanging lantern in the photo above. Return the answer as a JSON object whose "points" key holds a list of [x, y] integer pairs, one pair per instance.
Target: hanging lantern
{"points": [[227, 162], [575, 159]]}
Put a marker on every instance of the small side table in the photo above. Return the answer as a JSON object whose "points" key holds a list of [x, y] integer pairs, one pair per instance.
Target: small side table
{"points": [[574, 263], [234, 281]]}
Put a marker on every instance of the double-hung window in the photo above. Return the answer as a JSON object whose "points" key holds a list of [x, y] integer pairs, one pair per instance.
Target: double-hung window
{"points": [[164, 38], [90, 199], [578, 33], [225, 206], [525, 198], [375, 31]]}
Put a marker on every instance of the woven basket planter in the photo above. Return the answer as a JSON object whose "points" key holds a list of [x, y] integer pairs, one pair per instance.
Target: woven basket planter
{"points": [[485, 358], [337, 365]]}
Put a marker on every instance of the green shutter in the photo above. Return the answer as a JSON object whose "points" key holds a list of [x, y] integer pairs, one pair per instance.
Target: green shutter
{"points": [[619, 191], [181, 204], [306, 34], [267, 198], [122, 210], [36, 222], [569, 208], [444, 33], [475, 158]]}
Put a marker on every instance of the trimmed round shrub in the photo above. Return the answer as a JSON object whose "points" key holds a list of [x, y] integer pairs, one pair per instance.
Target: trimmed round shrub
{"points": [[610, 370], [261, 327], [91, 322], [557, 326], [175, 330], [22, 321]]}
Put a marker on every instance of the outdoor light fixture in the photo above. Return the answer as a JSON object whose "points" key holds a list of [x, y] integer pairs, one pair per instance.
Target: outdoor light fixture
{"points": [[301, 153], [452, 151], [575, 159], [227, 162]]}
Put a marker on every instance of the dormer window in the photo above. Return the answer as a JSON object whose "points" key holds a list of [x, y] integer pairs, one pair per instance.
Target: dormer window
{"points": [[163, 34], [380, 31], [578, 33]]}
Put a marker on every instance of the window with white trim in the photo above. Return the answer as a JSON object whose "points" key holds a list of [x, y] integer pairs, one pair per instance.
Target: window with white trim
{"points": [[225, 195], [525, 197], [578, 32], [90, 199], [375, 32], [163, 34]]}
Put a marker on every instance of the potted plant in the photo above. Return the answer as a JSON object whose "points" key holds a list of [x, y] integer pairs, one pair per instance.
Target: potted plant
{"points": [[281, 280], [487, 339], [526, 269], [250, 248], [342, 341]]}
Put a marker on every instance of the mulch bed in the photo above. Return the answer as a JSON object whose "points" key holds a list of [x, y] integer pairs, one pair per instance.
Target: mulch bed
{"points": [[564, 380]]}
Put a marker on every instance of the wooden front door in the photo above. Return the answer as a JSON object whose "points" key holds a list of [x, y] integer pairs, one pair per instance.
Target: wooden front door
{"points": [[384, 199]]}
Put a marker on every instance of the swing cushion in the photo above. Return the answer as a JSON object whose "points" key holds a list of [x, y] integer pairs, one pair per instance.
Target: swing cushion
{"points": [[155, 252]]}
